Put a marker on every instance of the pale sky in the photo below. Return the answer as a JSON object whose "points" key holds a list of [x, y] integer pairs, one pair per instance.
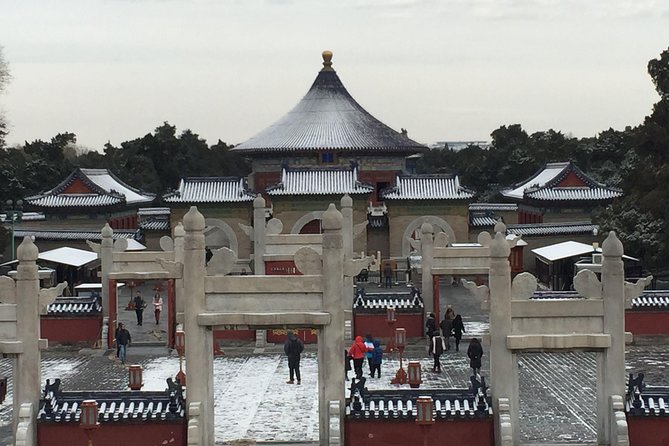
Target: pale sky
{"points": [[444, 70]]}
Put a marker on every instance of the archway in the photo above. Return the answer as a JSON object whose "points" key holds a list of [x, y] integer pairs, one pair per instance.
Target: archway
{"points": [[219, 234], [438, 223], [304, 220]]}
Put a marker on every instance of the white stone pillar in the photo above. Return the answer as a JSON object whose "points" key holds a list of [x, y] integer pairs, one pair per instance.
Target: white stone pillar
{"points": [[259, 235], [612, 375], [347, 288], [179, 234], [106, 263], [503, 371], [427, 260], [331, 337], [27, 384], [199, 340]]}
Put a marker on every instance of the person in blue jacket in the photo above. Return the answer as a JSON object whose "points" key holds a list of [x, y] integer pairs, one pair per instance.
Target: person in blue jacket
{"points": [[377, 358]]}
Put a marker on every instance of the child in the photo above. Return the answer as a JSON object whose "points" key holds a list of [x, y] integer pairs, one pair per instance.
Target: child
{"points": [[377, 358], [369, 345]]}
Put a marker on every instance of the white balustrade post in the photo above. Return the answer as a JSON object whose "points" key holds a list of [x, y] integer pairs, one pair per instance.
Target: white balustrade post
{"points": [[427, 260]]}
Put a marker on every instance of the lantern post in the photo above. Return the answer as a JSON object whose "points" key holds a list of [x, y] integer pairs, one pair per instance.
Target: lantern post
{"points": [[89, 419], [400, 342], [391, 319], [135, 381], [131, 284], [180, 346], [414, 374], [424, 415]]}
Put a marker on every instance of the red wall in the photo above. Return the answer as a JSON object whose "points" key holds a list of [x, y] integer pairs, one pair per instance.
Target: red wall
{"points": [[113, 434], [403, 433], [648, 431], [647, 322], [66, 330], [376, 325]]}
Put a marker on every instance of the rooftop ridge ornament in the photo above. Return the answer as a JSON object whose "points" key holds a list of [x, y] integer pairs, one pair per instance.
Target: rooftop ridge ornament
{"points": [[327, 61]]}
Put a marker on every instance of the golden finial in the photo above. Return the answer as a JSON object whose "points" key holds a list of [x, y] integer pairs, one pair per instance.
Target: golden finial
{"points": [[327, 61]]}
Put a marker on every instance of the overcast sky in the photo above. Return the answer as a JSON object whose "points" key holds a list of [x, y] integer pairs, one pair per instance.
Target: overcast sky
{"points": [[443, 69]]}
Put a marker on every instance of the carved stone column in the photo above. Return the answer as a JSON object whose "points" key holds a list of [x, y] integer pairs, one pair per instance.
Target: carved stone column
{"points": [[179, 234], [27, 382], [347, 288], [331, 337], [199, 341], [427, 260], [503, 371], [259, 235], [106, 263], [611, 374]]}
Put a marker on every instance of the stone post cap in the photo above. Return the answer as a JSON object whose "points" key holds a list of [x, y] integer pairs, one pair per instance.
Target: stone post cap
{"points": [[500, 227], [332, 218], [346, 201], [27, 251], [499, 246], [179, 230], [258, 201], [612, 246], [193, 220], [426, 228], [107, 231]]}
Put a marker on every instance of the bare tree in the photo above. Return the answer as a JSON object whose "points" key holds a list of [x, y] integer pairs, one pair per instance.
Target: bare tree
{"points": [[4, 80]]}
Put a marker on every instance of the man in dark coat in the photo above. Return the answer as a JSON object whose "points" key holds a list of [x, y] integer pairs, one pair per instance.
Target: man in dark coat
{"points": [[139, 307], [446, 326], [475, 353], [293, 349], [123, 339], [430, 325]]}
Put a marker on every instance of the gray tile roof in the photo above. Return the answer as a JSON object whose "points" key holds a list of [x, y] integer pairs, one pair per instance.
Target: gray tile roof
{"points": [[401, 404], [325, 181], [650, 402], [154, 225], [510, 207], [408, 299], [105, 189], [145, 212], [538, 229], [427, 187], [547, 185], [71, 234], [328, 118], [652, 300], [58, 406], [75, 306], [482, 220], [210, 190]]}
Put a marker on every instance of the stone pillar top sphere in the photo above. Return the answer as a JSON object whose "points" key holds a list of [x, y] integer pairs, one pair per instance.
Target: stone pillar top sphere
{"points": [[426, 228], [500, 227], [258, 201], [499, 246], [612, 246], [193, 220], [346, 201], [27, 251], [107, 231], [179, 230], [332, 218]]}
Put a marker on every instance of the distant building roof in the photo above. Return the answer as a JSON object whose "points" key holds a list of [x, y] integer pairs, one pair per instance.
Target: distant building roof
{"points": [[71, 234], [409, 299], [75, 306], [90, 188], [153, 219], [499, 207], [328, 118], [427, 187], [26, 216], [561, 182], [325, 181], [210, 190], [540, 229]]}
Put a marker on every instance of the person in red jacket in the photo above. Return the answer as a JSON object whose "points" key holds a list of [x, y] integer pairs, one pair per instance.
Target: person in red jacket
{"points": [[358, 352]]}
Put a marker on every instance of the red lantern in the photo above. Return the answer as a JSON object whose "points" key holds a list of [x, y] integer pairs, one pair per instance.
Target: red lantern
{"points": [[135, 377], [414, 374], [424, 408]]}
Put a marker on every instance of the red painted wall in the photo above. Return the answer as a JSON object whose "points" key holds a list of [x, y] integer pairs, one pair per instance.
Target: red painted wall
{"points": [[647, 322], [66, 330], [308, 336], [376, 325], [108, 434], [403, 433], [648, 431]]}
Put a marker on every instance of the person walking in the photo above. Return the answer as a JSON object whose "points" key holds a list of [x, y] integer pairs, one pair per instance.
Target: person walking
{"points": [[446, 326], [293, 348], [347, 363], [475, 353], [123, 340], [139, 307], [157, 306], [369, 346], [358, 352], [458, 329], [377, 358], [116, 332], [388, 275], [437, 347], [430, 325]]}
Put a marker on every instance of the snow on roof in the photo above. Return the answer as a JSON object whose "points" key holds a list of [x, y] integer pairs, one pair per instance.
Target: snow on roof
{"points": [[134, 245], [68, 256], [319, 182], [328, 118], [427, 187], [563, 250], [105, 180], [210, 190]]}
